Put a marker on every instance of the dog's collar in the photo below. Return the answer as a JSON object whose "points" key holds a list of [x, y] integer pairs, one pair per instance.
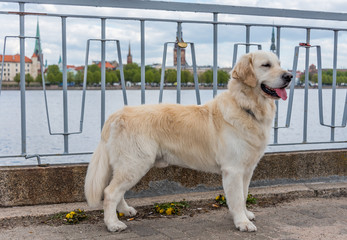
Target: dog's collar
{"points": [[250, 112]]}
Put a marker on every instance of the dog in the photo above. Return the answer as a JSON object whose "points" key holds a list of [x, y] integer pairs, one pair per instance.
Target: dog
{"points": [[227, 135]]}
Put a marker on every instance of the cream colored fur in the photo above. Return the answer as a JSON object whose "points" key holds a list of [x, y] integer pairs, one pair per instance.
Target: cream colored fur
{"points": [[227, 135]]}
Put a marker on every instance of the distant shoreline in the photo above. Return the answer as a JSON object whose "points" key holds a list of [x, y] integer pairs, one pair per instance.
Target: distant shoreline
{"points": [[55, 87]]}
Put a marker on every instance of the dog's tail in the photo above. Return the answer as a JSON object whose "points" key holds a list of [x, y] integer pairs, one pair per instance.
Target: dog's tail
{"points": [[98, 176]]}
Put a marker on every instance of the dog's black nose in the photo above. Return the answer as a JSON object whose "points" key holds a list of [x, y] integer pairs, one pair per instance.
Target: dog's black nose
{"points": [[287, 76]]}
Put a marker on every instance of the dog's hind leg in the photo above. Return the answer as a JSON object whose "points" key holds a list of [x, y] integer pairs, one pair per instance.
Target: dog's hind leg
{"points": [[113, 194], [123, 207], [124, 178]]}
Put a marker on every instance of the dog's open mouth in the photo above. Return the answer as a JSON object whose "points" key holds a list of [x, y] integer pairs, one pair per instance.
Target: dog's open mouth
{"points": [[275, 92]]}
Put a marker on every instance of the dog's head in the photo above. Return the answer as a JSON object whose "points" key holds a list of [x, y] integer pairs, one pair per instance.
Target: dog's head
{"points": [[262, 70]]}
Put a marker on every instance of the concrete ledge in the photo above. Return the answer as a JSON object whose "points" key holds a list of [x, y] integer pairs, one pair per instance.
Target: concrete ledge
{"points": [[64, 183]]}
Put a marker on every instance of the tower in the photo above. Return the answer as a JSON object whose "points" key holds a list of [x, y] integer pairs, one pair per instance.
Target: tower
{"points": [[35, 58], [273, 46], [37, 45], [183, 54], [129, 57]]}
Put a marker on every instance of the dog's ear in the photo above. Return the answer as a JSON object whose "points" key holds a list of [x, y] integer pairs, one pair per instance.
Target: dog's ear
{"points": [[244, 71]]}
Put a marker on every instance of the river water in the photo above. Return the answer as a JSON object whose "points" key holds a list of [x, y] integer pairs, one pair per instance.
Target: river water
{"points": [[39, 140]]}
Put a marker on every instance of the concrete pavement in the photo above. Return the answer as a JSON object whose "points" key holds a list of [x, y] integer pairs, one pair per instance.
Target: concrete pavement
{"points": [[306, 217]]}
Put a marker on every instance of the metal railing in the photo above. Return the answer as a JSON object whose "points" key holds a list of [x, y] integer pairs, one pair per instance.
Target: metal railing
{"points": [[215, 11]]}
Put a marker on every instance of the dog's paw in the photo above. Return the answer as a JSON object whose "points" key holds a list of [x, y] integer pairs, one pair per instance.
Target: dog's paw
{"points": [[246, 226], [129, 212], [117, 226], [250, 215]]}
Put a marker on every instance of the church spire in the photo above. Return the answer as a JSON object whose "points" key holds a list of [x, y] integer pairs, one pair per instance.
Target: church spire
{"points": [[37, 46], [273, 46], [129, 57]]}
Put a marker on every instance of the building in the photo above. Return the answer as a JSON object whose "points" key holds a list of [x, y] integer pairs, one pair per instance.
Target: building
{"points": [[12, 66], [12, 62], [129, 57], [183, 55]]}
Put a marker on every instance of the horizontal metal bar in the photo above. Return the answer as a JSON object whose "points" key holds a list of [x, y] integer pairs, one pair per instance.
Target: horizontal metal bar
{"points": [[175, 21], [305, 143], [194, 7], [47, 155], [88, 153]]}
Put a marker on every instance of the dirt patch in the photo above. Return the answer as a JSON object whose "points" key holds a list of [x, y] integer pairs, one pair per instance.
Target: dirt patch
{"points": [[145, 212]]}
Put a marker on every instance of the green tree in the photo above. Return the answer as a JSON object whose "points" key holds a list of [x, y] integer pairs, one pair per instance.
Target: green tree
{"points": [[78, 77], [137, 77], [111, 77], [28, 79], [223, 77], [90, 78], [17, 78], [170, 76], [186, 76], [70, 77], [96, 77], [149, 75], [38, 79], [206, 77], [54, 75], [93, 68]]}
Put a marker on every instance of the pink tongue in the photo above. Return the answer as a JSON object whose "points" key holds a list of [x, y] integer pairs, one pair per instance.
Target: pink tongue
{"points": [[281, 92]]}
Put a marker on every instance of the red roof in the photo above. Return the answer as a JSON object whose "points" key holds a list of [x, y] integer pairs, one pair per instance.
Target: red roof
{"points": [[80, 68], [107, 65], [70, 67], [14, 58]]}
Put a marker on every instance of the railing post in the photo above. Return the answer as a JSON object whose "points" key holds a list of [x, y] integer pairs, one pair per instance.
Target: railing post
{"points": [[103, 73], [248, 37], [215, 53], [162, 76], [22, 77], [333, 100], [307, 65], [179, 63], [65, 102], [143, 67], [278, 40]]}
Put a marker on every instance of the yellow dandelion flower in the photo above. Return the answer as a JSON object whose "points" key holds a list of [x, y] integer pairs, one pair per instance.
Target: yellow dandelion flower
{"points": [[223, 198], [121, 214], [172, 204], [217, 198], [161, 210], [169, 211]]}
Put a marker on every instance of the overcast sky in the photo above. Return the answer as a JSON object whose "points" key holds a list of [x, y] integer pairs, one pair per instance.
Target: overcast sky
{"points": [[79, 30]]}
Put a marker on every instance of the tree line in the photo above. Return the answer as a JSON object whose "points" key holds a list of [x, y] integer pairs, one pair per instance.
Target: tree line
{"points": [[327, 77], [132, 73]]}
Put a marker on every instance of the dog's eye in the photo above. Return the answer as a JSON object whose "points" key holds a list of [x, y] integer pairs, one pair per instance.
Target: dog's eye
{"points": [[266, 65]]}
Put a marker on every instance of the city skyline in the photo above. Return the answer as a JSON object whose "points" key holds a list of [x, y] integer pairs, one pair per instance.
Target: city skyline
{"points": [[79, 31]]}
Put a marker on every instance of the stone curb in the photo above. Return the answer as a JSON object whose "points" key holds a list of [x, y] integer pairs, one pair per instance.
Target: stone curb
{"points": [[270, 193]]}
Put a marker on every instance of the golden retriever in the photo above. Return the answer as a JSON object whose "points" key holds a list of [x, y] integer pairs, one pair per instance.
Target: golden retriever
{"points": [[227, 135]]}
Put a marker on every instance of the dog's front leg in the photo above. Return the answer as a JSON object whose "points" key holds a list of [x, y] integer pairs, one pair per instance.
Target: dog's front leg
{"points": [[234, 192]]}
